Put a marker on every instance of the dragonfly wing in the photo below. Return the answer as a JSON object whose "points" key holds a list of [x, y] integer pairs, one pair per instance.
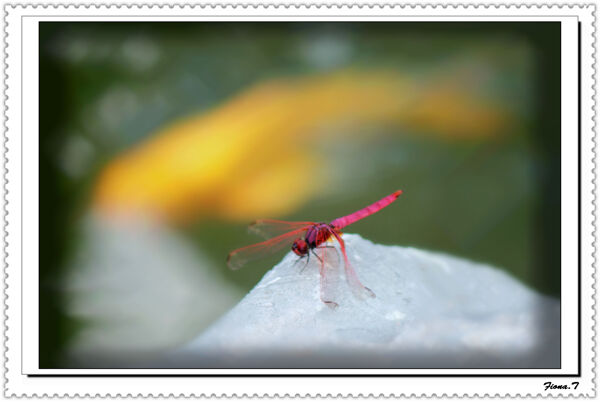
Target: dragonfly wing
{"points": [[351, 277], [237, 258], [328, 275], [268, 228]]}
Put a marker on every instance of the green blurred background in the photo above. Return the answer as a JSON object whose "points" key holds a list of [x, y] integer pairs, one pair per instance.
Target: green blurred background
{"points": [[105, 87]]}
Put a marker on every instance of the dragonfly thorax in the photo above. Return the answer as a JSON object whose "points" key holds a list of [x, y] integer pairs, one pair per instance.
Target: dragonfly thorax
{"points": [[314, 237]]}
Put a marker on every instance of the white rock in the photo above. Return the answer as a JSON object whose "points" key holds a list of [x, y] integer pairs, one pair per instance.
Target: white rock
{"points": [[430, 310]]}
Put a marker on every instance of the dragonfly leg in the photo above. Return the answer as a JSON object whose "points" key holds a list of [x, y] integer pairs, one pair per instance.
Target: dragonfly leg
{"points": [[305, 265], [350, 273], [316, 255], [324, 285]]}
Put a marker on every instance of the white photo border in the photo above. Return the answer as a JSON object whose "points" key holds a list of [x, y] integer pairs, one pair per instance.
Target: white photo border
{"points": [[22, 376]]}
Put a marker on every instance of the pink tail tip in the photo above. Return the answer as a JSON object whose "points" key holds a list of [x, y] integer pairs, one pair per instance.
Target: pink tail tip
{"points": [[397, 193]]}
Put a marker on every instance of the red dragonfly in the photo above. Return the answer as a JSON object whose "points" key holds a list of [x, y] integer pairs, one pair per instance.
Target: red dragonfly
{"points": [[304, 238]]}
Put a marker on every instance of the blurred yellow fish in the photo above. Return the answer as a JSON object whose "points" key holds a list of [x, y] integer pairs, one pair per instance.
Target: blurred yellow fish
{"points": [[243, 159]]}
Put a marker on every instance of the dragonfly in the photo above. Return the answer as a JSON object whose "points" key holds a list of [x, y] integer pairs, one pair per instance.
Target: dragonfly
{"points": [[306, 237]]}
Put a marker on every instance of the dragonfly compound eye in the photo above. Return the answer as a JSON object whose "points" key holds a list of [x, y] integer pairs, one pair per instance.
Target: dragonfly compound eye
{"points": [[300, 247]]}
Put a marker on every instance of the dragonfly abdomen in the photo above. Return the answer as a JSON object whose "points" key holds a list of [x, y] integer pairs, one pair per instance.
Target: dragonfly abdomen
{"points": [[366, 211]]}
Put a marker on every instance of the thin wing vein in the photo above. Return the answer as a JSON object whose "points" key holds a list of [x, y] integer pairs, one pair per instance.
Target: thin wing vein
{"points": [[241, 256], [268, 228]]}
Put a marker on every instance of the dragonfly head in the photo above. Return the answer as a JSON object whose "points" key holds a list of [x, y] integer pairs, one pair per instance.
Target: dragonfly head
{"points": [[300, 247]]}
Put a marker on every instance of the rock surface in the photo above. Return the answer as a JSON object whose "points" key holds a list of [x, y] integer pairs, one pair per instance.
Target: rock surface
{"points": [[430, 311]]}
